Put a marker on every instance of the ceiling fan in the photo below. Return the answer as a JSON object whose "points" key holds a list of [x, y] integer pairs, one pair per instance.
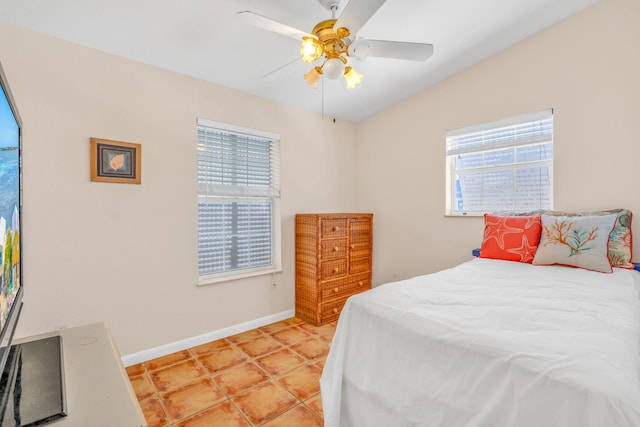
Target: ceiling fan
{"points": [[334, 43]]}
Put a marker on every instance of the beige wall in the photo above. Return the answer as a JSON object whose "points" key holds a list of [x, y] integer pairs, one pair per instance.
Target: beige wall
{"points": [[586, 68], [127, 254]]}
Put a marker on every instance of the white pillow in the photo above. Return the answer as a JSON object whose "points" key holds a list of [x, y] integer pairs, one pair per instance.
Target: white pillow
{"points": [[577, 241]]}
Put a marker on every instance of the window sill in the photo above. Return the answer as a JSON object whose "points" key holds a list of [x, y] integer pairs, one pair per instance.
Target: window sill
{"points": [[464, 215], [237, 276]]}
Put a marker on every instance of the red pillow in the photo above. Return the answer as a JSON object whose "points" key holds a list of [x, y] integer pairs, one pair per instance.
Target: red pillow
{"points": [[512, 238]]}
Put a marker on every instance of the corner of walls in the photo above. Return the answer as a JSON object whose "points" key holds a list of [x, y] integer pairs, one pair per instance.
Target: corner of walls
{"points": [[126, 255], [401, 151]]}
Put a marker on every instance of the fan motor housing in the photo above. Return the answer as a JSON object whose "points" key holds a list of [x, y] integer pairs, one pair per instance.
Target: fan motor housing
{"points": [[330, 5]]}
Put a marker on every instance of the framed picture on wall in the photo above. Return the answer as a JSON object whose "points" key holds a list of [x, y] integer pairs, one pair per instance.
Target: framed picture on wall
{"points": [[115, 161]]}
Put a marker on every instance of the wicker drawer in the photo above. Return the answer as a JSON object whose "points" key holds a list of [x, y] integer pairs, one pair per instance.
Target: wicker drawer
{"points": [[333, 269], [335, 248], [359, 249], [359, 265], [331, 311], [333, 227], [360, 230], [347, 287]]}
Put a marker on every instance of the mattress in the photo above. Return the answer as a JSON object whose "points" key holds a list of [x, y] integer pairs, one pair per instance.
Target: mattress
{"points": [[489, 343]]}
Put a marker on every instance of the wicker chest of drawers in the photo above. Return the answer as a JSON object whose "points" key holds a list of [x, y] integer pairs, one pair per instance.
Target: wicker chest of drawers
{"points": [[333, 262]]}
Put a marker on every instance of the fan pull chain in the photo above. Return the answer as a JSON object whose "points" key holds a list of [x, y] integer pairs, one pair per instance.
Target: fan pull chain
{"points": [[322, 98]]}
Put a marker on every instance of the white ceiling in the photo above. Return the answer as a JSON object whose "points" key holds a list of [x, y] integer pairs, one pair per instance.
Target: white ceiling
{"points": [[205, 39]]}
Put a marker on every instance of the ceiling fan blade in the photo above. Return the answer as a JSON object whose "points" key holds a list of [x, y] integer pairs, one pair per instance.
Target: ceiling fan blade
{"points": [[356, 13], [280, 68], [400, 50], [271, 25]]}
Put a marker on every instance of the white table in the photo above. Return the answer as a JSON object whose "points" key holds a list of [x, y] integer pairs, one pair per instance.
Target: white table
{"points": [[98, 391]]}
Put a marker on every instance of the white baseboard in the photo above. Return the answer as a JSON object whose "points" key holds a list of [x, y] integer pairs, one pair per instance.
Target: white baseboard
{"points": [[163, 350]]}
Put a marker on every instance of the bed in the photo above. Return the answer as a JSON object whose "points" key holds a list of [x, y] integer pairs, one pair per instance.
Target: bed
{"points": [[489, 343]]}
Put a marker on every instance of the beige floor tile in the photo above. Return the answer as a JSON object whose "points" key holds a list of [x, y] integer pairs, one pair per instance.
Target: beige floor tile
{"points": [[320, 362], [221, 415], [245, 336], [167, 360], [239, 378], [222, 359], [256, 378], [315, 403], [328, 329], [135, 370], [303, 382], [209, 347], [312, 349], [176, 375], [264, 402], [278, 326], [192, 398], [142, 386], [280, 362], [291, 336], [299, 416], [259, 346], [154, 412]]}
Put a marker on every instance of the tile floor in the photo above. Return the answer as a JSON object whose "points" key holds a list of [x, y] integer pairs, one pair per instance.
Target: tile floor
{"points": [[263, 377]]}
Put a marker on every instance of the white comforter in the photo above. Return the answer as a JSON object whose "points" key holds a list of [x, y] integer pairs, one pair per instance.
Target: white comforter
{"points": [[489, 343]]}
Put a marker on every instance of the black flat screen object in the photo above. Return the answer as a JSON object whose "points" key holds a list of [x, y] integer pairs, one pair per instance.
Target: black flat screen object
{"points": [[32, 386]]}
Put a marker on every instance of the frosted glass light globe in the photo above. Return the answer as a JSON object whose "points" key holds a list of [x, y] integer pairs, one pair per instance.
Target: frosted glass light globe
{"points": [[333, 68], [310, 50]]}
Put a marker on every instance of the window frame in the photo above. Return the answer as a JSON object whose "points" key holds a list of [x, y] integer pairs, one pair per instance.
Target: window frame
{"points": [[450, 159], [276, 230]]}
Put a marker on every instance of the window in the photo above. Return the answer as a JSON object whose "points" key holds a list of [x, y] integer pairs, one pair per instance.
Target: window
{"points": [[238, 201], [505, 165]]}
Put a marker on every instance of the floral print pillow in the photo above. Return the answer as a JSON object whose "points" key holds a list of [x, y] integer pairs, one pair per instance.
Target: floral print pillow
{"points": [[577, 241], [620, 241]]}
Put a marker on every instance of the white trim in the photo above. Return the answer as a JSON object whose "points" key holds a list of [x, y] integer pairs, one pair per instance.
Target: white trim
{"points": [[506, 167], [538, 140], [508, 121], [229, 191], [238, 129], [235, 275], [163, 350]]}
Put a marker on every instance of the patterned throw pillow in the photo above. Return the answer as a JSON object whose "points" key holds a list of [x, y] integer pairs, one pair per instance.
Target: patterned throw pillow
{"points": [[511, 238], [620, 240], [577, 241]]}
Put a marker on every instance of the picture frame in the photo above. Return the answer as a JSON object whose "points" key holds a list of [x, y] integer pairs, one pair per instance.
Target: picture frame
{"points": [[115, 161]]}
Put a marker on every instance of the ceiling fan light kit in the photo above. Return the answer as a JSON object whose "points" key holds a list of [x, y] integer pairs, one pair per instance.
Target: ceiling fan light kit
{"points": [[313, 76], [328, 44], [352, 77], [332, 41]]}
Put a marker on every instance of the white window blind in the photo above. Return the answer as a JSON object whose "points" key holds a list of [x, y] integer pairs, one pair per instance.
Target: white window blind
{"points": [[506, 165], [238, 188]]}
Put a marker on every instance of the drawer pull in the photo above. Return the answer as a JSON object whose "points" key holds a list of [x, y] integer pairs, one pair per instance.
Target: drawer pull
{"points": [[335, 290], [336, 249], [336, 228], [336, 269], [335, 310], [360, 283], [352, 246]]}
